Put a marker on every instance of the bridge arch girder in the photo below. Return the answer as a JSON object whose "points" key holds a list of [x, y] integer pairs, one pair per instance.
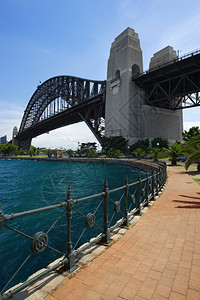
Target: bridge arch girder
{"points": [[61, 101], [68, 90]]}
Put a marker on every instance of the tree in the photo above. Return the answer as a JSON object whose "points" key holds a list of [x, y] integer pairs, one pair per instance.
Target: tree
{"points": [[8, 148], [174, 152], [155, 152], [159, 143], [143, 144], [114, 152], [48, 152], [70, 152], [31, 152], [116, 142], [91, 153], [194, 157], [38, 151], [139, 152], [1, 149], [193, 131]]}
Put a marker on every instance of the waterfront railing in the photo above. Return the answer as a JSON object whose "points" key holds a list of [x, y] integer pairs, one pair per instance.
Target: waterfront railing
{"points": [[122, 204]]}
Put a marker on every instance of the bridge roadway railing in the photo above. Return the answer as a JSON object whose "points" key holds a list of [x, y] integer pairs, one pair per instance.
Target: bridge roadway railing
{"points": [[117, 207], [186, 55]]}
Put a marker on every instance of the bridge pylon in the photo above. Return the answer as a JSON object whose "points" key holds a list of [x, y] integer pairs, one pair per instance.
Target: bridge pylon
{"points": [[127, 113]]}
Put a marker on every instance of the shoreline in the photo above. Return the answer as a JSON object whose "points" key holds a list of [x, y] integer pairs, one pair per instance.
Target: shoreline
{"points": [[146, 166]]}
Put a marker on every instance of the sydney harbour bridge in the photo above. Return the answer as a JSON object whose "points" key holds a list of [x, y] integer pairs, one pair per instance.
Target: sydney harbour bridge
{"points": [[65, 100]]}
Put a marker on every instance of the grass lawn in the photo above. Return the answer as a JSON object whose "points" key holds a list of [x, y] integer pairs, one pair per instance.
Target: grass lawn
{"points": [[197, 180], [191, 167]]}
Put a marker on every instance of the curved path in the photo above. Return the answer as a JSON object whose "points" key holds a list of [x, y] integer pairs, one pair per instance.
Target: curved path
{"points": [[158, 258]]}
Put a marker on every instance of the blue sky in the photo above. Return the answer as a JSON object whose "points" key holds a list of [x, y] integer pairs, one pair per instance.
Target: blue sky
{"points": [[44, 38]]}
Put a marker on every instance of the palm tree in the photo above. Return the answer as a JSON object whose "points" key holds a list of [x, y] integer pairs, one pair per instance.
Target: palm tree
{"points": [[194, 157], [139, 153], [174, 152], [70, 152], [155, 152]]}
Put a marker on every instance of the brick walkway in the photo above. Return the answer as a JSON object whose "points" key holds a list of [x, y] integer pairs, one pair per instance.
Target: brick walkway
{"points": [[158, 258]]}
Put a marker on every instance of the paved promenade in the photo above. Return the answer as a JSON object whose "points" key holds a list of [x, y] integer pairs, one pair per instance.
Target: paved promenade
{"points": [[158, 258]]}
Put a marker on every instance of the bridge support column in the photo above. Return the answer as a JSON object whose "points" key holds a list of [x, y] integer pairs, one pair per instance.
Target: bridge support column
{"points": [[23, 144], [126, 112], [123, 98]]}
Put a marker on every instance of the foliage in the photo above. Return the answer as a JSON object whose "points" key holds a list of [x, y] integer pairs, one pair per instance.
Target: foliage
{"points": [[193, 131], [139, 152], [32, 150], [116, 142], [155, 153], [70, 152], [143, 144], [91, 153], [174, 151], [48, 152], [21, 152], [114, 152], [38, 151], [193, 144], [8, 148], [193, 158], [159, 143]]}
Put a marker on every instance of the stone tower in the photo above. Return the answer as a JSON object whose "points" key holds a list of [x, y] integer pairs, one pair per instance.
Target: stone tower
{"points": [[126, 112], [14, 134]]}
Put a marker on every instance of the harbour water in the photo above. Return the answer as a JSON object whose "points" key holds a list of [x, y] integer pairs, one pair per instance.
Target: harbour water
{"points": [[26, 185]]}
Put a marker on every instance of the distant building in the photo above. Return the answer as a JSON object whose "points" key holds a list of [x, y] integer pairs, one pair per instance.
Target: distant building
{"points": [[3, 140]]}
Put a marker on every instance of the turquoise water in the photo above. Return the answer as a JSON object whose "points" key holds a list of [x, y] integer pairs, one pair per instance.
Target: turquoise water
{"points": [[26, 185]]}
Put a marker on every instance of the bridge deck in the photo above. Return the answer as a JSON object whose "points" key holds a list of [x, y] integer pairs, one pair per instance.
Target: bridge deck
{"points": [[174, 85], [156, 259], [170, 70]]}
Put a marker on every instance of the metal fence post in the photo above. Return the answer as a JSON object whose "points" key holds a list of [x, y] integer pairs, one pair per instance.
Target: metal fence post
{"points": [[139, 195], [126, 222], [162, 177], [165, 173], [146, 190], [106, 233], [152, 186], [157, 182], [70, 255]]}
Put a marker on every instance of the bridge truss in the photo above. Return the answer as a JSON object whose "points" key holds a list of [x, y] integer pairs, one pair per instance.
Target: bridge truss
{"points": [[64, 100], [175, 85]]}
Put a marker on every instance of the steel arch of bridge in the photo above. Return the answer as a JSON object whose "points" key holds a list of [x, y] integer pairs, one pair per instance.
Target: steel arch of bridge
{"points": [[61, 101]]}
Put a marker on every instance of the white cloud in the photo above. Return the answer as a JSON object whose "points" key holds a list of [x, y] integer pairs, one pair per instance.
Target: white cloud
{"points": [[10, 116], [66, 137], [187, 125]]}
